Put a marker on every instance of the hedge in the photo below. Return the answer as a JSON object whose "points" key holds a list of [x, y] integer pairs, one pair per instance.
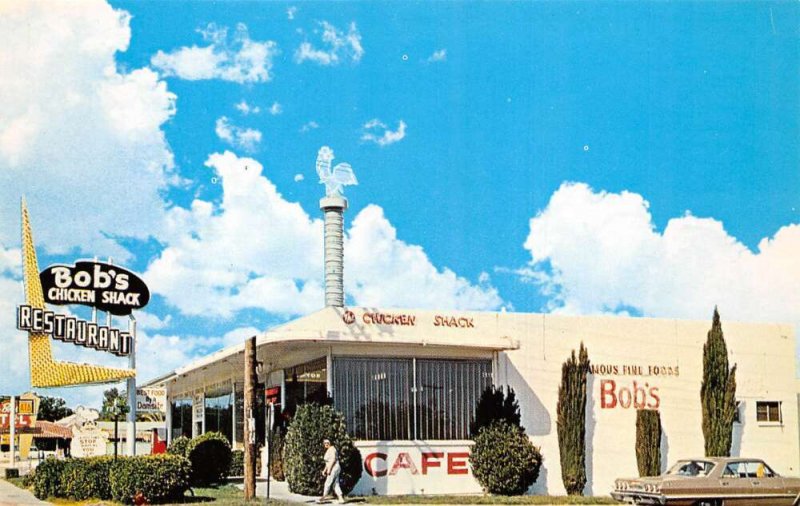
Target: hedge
{"points": [[503, 459], [210, 455], [87, 478], [303, 451], [47, 478], [157, 478]]}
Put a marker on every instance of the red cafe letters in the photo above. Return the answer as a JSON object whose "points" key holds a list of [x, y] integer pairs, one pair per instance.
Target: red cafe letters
{"points": [[376, 464]]}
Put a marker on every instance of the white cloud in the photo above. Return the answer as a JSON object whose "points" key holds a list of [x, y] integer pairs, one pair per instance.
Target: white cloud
{"points": [[257, 250], [311, 125], [598, 252], [91, 135], [237, 58], [377, 132], [245, 138], [437, 56], [337, 46], [246, 109], [290, 12], [234, 255], [275, 109], [298, 178]]}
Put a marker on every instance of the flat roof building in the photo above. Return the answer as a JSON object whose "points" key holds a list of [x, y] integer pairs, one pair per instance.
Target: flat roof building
{"points": [[407, 382]]}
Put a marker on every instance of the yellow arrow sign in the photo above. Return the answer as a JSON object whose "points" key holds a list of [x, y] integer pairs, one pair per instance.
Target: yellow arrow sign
{"points": [[46, 372]]}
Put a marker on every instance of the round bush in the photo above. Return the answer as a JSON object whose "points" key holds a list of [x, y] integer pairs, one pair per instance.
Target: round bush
{"points": [[178, 446], [503, 459], [87, 478], [47, 478], [210, 455], [156, 478], [303, 451]]}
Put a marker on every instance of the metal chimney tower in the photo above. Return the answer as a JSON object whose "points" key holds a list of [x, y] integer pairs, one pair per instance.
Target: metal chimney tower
{"points": [[333, 206]]}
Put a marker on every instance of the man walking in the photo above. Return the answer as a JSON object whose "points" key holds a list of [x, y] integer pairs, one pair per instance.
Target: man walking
{"points": [[331, 472]]}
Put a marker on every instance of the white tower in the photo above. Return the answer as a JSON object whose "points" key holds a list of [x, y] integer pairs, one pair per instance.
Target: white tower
{"points": [[334, 205]]}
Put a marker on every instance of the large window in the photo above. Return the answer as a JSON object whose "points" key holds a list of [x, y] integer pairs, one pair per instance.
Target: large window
{"points": [[386, 399], [768, 411], [219, 411], [306, 383], [182, 418]]}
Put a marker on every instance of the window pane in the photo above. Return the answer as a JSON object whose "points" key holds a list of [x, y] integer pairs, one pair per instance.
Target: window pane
{"points": [[774, 412], [447, 393], [375, 397], [761, 412], [306, 383], [239, 401], [218, 411]]}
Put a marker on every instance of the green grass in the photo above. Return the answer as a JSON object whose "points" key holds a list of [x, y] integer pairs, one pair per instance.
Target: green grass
{"points": [[17, 482], [485, 499], [226, 495]]}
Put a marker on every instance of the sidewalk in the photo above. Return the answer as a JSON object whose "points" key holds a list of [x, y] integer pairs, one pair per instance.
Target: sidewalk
{"points": [[11, 495], [279, 491]]}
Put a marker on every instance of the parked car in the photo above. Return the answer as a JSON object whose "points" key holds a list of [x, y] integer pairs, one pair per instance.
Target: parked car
{"points": [[712, 481]]}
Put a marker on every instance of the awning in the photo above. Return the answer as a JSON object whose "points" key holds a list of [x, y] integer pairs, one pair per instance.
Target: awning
{"points": [[354, 330]]}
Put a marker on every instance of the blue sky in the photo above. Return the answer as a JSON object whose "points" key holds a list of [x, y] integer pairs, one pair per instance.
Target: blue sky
{"points": [[636, 158]]}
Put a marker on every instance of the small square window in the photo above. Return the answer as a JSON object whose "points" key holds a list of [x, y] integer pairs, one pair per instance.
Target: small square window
{"points": [[768, 411]]}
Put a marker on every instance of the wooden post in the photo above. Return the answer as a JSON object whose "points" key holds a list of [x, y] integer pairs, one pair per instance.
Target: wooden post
{"points": [[249, 420]]}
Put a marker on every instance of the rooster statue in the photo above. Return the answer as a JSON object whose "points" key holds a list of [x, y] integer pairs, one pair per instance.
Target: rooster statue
{"points": [[334, 180]]}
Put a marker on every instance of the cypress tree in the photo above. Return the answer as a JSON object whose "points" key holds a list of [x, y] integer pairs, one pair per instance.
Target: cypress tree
{"points": [[648, 442], [717, 393], [571, 421]]}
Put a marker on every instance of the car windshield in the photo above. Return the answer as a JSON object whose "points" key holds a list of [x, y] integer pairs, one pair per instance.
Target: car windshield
{"points": [[691, 468]]}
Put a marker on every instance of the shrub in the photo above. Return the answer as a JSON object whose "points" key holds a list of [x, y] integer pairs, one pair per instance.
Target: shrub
{"points": [[210, 455], [495, 405], [303, 451], [178, 446], [237, 463], [87, 478], [47, 479], [157, 478], [571, 421], [648, 442], [276, 455], [503, 459]]}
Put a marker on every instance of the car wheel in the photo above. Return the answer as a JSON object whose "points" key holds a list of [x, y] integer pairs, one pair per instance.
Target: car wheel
{"points": [[708, 503]]}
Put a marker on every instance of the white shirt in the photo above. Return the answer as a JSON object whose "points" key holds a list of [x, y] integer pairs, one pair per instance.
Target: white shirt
{"points": [[331, 458]]}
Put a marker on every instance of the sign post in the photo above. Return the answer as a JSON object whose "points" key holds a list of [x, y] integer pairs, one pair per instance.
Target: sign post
{"points": [[131, 385], [13, 427]]}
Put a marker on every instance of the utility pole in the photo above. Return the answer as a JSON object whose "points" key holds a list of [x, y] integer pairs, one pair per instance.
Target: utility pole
{"points": [[13, 431], [250, 425]]}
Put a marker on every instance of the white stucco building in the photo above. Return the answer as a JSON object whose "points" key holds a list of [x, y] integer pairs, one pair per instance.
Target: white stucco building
{"points": [[408, 380]]}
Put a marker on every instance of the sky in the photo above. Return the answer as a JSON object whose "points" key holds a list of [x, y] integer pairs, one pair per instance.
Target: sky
{"points": [[639, 159]]}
